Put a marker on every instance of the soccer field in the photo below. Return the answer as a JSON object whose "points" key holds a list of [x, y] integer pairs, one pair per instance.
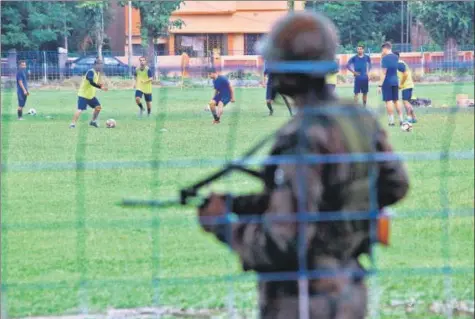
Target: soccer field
{"points": [[68, 247]]}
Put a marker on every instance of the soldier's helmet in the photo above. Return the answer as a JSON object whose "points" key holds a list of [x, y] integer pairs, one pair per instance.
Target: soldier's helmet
{"points": [[300, 36]]}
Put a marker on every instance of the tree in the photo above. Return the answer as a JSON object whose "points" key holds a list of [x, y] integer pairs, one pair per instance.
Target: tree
{"points": [[155, 22], [448, 23], [35, 25], [359, 21], [97, 16]]}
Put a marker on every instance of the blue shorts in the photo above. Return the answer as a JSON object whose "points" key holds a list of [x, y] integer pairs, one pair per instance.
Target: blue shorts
{"points": [[223, 99], [361, 86], [83, 103], [148, 97], [22, 99], [271, 93], [390, 93], [331, 88], [406, 94]]}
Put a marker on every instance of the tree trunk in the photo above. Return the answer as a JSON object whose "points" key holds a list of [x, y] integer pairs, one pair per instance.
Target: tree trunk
{"points": [[291, 5], [99, 43], [151, 52], [450, 54]]}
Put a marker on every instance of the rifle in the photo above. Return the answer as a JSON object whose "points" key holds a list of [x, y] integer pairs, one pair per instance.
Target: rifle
{"points": [[188, 194]]}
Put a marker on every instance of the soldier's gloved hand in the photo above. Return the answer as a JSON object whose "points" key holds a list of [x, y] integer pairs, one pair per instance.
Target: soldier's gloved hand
{"points": [[213, 207]]}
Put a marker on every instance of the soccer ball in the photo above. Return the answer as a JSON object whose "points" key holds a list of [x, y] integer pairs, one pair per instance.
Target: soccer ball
{"points": [[32, 111], [406, 127], [110, 123]]}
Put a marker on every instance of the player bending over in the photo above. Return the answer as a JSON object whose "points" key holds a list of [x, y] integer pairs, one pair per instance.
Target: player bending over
{"points": [[389, 85], [21, 88], [406, 84], [87, 94], [223, 94], [143, 86], [360, 65]]}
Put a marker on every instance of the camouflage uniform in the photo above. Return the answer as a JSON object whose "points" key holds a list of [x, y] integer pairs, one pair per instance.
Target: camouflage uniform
{"points": [[271, 247]]}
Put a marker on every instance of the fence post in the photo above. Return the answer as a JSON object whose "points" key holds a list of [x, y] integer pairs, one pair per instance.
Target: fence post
{"points": [[45, 68], [62, 58]]}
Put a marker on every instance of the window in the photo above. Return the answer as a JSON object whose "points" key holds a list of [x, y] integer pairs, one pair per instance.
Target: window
{"points": [[250, 41], [200, 45]]}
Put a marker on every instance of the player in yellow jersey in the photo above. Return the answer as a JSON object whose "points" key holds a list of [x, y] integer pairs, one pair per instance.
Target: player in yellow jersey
{"points": [[406, 84], [143, 85], [331, 80], [87, 94]]}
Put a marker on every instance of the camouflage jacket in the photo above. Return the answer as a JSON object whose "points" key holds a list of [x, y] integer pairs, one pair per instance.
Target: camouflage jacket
{"points": [[316, 189]]}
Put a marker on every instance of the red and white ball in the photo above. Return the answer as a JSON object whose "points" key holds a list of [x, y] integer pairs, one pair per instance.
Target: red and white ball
{"points": [[110, 123]]}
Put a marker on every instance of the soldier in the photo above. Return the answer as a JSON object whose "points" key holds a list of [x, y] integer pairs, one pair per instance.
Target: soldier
{"points": [[329, 248]]}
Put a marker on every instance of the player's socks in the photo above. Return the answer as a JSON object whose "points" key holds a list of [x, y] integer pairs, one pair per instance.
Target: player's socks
{"points": [[401, 118], [149, 111], [20, 113], [364, 104], [140, 106], [215, 116], [271, 110], [391, 120]]}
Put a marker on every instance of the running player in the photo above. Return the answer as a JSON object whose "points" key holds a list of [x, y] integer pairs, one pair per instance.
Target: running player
{"points": [[143, 86]]}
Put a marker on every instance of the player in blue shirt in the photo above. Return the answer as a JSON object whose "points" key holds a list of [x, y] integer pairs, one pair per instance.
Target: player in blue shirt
{"points": [[21, 88], [389, 83], [360, 65], [271, 93], [223, 94]]}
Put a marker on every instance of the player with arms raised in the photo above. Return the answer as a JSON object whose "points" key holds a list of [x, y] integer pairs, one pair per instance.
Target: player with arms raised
{"points": [[360, 65], [224, 93], [406, 84], [143, 86], [87, 94], [21, 88], [389, 85]]}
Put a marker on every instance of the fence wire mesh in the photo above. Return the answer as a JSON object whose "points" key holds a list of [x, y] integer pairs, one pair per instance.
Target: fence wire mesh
{"points": [[68, 248]]}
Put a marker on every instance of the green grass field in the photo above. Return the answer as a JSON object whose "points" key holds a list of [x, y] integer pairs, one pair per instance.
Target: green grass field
{"points": [[67, 245]]}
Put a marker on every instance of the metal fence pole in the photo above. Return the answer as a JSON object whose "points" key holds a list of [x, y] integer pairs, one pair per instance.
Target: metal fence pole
{"points": [[45, 68]]}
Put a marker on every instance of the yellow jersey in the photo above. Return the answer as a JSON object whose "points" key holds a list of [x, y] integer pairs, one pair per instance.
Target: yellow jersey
{"points": [[86, 90], [409, 83], [331, 78], [144, 75]]}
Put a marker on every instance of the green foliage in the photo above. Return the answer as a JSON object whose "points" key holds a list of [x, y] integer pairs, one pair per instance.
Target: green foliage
{"points": [[155, 18], [36, 25], [359, 22], [96, 15], [446, 20]]}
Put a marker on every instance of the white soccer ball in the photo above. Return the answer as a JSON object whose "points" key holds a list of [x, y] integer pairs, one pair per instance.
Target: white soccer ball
{"points": [[110, 123], [406, 127], [32, 111]]}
